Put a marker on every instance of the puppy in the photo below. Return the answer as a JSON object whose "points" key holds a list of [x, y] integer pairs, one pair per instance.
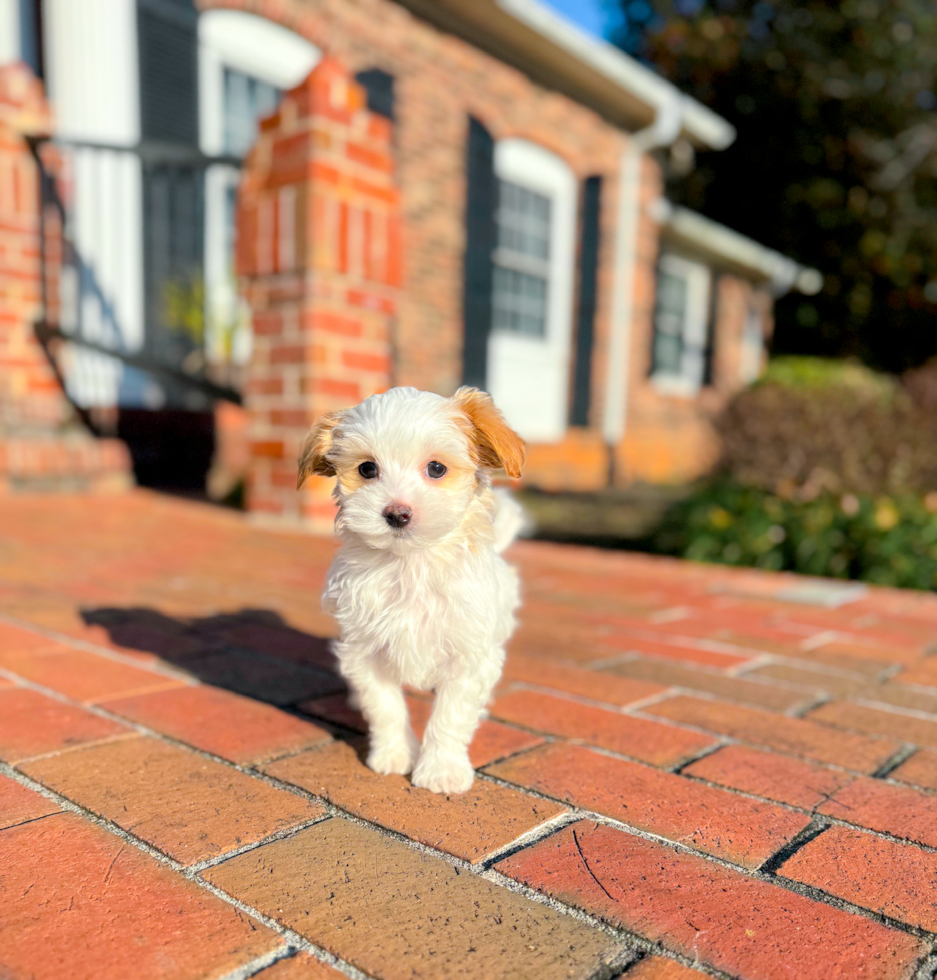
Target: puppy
{"points": [[419, 587]]}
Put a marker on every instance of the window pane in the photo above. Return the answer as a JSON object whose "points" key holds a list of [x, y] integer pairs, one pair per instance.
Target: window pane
{"points": [[521, 274], [246, 101], [672, 294], [519, 302], [669, 324], [523, 219], [668, 354]]}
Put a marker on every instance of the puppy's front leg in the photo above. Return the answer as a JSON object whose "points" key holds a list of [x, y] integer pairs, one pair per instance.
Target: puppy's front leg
{"points": [[393, 747], [444, 765]]}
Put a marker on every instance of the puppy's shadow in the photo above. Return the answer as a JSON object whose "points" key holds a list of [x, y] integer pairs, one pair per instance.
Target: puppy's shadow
{"points": [[253, 652]]}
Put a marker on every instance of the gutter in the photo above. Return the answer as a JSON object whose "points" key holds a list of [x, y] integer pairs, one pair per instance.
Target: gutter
{"points": [[662, 132], [703, 127]]}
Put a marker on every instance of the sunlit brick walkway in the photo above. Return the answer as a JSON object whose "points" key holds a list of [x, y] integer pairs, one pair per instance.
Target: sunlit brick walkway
{"points": [[687, 771]]}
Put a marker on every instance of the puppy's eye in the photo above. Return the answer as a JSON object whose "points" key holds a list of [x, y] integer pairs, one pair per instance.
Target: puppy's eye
{"points": [[368, 469], [435, 470]]}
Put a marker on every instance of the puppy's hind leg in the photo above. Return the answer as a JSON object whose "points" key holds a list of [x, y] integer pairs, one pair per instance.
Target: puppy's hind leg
{"points": [[393, 746], [444, 765]]}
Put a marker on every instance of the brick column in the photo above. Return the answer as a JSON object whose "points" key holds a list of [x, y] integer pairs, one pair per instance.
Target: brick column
{"points": [[318, 258], [42, 443]]}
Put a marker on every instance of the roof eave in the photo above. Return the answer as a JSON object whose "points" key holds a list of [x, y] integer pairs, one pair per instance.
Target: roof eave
{"points": [[557, 53], [735, 250]]}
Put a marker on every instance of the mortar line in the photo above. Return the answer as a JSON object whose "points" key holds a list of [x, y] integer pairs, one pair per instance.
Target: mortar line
{"points": [[814, 829], [251, 969], [893, 709], [927, 970], [899, 758]]}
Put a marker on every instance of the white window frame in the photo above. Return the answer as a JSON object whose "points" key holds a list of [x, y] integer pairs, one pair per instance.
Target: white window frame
{"points": [[532, 166], [249, 44], [270, 53], [698, 278], [535, 168]]}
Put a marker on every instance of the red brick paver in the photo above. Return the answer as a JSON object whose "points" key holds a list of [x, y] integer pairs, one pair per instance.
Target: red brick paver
{"points": [[683, 774], [895, 879], [650, 741], [188, 807], [303, 966], [791, 735], [32, 724], [85, 676], [873, 721], [920, 769], [725, 825], [383, 906], [19, 804], [775, 777], [78, 902], [726, 920], [225, 724], [657, 968]]}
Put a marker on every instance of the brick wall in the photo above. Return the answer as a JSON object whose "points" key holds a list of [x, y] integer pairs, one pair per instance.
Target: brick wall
{"points": [[319, 257], [29, 392], [42, 445]]}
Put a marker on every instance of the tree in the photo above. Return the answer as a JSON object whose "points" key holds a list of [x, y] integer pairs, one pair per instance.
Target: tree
{"points": [[836, 157]]}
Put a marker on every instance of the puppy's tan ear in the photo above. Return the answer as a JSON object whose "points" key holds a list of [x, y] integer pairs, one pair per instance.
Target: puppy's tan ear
{"points": [[497, 445], [314, 455]]}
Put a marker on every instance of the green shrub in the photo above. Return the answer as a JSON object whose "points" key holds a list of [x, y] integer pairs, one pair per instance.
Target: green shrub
{"points": [[819, 373], [811, 427], [879, 539]]}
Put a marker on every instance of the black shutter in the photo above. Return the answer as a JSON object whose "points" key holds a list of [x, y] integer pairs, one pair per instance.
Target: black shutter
{"points": [[379, 88], [585, 314], [167, 31], [709, 352], [480, 205]]}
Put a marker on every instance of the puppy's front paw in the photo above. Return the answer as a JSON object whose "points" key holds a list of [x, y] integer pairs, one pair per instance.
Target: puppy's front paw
{"points": [[398, 756], [443, 773]]}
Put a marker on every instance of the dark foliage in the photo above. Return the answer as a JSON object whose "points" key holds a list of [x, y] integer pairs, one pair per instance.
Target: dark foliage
{"points": [[836, 158]]}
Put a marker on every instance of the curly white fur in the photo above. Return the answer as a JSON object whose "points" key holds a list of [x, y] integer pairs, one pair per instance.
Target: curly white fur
{"points": [[430, 604]]}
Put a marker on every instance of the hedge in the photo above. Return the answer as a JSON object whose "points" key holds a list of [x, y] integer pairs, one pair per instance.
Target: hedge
{"points": [[812, 427], [879, 539]]}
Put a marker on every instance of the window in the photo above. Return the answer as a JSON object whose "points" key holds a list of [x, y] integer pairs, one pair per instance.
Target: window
{"points": [[246, 101], [521, 260], [246, 63], [532, 262], [753, 346], [681, 321]]}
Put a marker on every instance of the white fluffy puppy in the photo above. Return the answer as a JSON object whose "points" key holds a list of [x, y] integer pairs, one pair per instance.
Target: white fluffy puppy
{"points": [[419, 587]]}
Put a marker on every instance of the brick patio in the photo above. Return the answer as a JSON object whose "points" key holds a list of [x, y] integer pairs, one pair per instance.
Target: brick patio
{"points": [[688, 771]]}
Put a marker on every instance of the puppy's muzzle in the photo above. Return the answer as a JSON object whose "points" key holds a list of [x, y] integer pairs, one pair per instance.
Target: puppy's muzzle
{"points": [[397, 515]]}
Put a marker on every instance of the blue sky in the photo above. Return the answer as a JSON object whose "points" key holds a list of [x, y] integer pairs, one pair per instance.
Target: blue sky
{"points": [[587, 14]]}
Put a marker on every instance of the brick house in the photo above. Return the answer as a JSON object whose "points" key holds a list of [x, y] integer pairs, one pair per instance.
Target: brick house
{"points": [[460, 192]]}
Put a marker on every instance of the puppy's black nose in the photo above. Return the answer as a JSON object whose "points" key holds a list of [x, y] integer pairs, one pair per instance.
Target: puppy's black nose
{"points": [[397, 515]]}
